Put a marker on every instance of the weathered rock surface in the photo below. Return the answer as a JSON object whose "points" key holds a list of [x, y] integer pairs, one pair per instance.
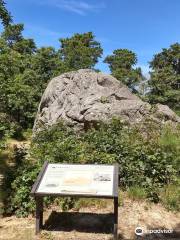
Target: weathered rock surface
{"points": [[83, 97]]}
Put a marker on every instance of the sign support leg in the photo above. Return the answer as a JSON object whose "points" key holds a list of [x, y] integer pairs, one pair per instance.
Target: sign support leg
{"points": [[39, 214], [115, 218]]}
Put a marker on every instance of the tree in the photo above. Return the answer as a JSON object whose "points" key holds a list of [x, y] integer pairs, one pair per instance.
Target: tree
{"points": [[24, 73], [5, 16], [47, 64], [80, 51], [165, 77], [15, 40], [15, 59], [121, 64]]}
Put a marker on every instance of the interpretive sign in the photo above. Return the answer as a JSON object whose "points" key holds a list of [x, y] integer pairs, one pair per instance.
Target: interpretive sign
{"points": [[77, 179], [82, 180]]}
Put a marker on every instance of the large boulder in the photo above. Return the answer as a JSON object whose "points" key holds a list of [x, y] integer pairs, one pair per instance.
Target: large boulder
{"points": [[84, 97]]}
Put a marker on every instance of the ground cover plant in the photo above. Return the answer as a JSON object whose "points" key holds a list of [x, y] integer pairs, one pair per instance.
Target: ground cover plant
{"points": [[149, 161]]}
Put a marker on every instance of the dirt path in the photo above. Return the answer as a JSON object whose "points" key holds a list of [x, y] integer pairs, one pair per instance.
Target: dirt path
{"points": [[95, 224]]}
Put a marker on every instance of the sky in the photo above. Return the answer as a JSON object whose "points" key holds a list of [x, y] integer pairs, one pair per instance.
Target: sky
{"points": [[143, 26]]}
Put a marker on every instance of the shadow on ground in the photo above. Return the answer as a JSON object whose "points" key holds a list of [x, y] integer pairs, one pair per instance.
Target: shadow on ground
{"points": [[81, 222], [98, 223]]}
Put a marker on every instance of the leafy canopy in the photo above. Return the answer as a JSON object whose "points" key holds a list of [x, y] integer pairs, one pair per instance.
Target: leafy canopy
{"points": [[121, 64], [165, 77], [24, 72], [5, 16], [80, 51]]}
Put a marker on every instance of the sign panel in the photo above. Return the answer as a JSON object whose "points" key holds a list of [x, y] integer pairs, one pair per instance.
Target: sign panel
{"points": [[77, 180]]}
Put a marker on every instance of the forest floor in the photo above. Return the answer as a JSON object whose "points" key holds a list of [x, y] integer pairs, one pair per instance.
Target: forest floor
{"points": [[95, 223]]}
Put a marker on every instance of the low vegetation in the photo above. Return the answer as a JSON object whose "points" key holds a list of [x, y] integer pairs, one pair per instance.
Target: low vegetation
{"points": [[149, 164]]}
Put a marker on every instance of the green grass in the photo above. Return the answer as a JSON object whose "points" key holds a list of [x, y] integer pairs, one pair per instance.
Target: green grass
{"points": [[84, 202], [78, 203], [121, 196], [170, 138], [177, 112], [170, 197], [27, 134], [136, 193]]}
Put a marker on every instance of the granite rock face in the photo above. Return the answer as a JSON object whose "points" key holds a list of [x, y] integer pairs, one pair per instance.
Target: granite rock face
{"points": [[81, 98]]}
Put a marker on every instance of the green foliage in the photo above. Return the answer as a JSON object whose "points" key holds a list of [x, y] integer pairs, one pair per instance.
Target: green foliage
{"points": [[8, 128], [13, 34], [46, 64], [145, 160], [121, 65], [165, 77], [170, 141], [22, 203], [89, 202], [136, 193], [170, 197], [17, 155], [4, 125], [80, 51], [5, 16], [67, 203], [18, 99], [177, 112], [24, 73]]}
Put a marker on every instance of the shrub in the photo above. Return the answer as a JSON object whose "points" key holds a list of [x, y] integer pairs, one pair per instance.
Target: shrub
{"points": [[144, 159], [8, 127], [21, 203]]}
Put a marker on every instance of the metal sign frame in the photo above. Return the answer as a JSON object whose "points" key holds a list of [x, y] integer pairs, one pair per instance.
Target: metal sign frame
{"points": [[39, 196]]}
